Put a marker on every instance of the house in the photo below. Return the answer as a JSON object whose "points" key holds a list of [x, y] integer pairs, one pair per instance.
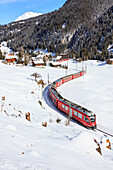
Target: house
{"points": [[38, 62], [109, 61], [64, 55], [11, 58]]}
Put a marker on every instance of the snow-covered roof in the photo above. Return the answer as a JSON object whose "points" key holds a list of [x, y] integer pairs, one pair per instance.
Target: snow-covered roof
{"points": [[40, 55], [56, 63], [4, 43], [10, 56], [58, 57], [38, 61], [110, 47]]}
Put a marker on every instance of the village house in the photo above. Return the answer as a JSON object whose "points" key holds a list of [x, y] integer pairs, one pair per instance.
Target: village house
{"points": [[62, 57], [11, 58], [38, 63], [109, 61], [40, 60]]}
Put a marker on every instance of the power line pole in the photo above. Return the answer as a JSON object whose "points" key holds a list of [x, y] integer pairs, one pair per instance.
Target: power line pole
{"points": [[48, 79]]}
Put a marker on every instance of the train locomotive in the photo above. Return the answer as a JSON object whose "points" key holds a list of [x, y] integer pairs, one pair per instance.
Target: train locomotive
{"points": [[75, 111]]}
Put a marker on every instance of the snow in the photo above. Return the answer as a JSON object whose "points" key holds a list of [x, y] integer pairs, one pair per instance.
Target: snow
{"points": [[27, 15], [109, 46], [63, 26], [29, 145], [58, 57], [10, 56], [40, 61], [4, 49]]}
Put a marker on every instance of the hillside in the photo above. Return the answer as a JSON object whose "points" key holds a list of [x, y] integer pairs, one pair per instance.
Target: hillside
{"points": [[78, 25]]}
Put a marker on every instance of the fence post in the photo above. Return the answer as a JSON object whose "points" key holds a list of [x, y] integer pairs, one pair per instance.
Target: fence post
{"points": [[28, 116]]}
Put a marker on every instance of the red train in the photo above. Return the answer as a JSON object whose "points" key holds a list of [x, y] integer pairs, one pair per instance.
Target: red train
{"points": [[80, 114]]}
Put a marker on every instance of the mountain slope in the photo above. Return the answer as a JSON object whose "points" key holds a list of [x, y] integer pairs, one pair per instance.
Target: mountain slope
{"points": [[62, 28]]}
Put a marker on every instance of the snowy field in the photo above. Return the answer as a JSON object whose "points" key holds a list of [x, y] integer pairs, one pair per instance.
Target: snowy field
{"points": [[29, 145]]}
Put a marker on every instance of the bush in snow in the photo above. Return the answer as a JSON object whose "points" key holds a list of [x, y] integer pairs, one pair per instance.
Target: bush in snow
{"points": [[58, 120]]}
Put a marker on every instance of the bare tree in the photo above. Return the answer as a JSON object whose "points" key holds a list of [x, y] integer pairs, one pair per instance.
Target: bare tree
{"points": [[36, 75]]}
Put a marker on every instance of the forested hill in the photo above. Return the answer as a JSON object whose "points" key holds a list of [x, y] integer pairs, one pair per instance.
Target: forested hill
{"points": [[82, 25]]}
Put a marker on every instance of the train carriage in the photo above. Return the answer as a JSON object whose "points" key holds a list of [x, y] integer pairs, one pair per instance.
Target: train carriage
{"points": [[84, 116], [66, 78], [76, 75], [53, 96], [63, 105], [58, 82], [82, 73], [80, 114]]}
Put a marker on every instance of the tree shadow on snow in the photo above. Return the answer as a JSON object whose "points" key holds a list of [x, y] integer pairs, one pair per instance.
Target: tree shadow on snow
{"points": [[102, 64]]}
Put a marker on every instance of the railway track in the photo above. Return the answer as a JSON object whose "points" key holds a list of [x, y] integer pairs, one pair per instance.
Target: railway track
{"points": [[104, 130]]}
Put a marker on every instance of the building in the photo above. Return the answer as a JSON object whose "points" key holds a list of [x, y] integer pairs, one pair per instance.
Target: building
{"points": [[40, 60], [64, 55], [11, 58], [109, 61], [38, 63]]}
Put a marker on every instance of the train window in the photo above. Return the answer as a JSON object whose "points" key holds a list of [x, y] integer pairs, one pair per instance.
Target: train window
{"points": [[86, 119], [55, 100], [66, 108], [80, 115], [75, 113], [63, 106], [92, 118]]}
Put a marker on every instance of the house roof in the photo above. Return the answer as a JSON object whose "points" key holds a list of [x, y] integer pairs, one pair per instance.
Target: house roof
{"points": [[110, 47], [10, 56], [58, 57], [38, 61]]}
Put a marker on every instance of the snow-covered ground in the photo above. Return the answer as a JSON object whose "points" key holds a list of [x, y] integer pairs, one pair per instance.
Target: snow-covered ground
{"points": [[29, 145]]}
